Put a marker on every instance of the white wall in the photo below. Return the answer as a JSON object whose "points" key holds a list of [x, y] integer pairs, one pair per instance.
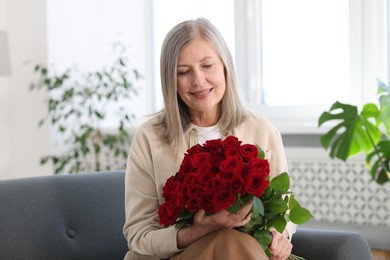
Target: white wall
{"points": [[22, 143], [4, 105]]}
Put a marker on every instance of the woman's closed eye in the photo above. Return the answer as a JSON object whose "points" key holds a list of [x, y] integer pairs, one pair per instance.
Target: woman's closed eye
{"points": [[208, 66], [183, 72]]}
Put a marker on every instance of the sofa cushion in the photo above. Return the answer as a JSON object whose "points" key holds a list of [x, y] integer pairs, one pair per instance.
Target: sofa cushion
{"points": [[330, 245], [378, 237], [77, 216]]}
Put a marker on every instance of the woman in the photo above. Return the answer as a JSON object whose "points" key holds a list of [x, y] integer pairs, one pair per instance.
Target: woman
{"points": [[201, 102]]}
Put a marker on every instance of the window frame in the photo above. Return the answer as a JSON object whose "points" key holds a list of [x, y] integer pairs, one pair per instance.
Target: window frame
{"points": [[368, 62]]}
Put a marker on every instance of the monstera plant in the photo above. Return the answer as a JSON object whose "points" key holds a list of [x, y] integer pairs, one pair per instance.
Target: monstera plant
{"points": [[366, 131]]}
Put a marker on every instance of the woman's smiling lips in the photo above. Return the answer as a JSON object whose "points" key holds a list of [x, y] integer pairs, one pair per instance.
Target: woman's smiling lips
{"points": [[201, 93]]}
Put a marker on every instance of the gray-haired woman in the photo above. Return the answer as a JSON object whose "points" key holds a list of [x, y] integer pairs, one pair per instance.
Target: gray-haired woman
{"points": [[201, 102]]}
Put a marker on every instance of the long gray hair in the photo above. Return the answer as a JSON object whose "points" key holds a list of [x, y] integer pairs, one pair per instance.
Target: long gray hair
{"points": [[175, 118]]}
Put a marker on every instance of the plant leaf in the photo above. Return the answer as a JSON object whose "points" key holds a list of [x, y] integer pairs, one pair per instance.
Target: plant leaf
{"points": [[263, 237], [279, 223], [261, 153], [278, 206], [280, 183], [349, 137], [380, 171], [300, 215], [258, 208], [293, 202]]}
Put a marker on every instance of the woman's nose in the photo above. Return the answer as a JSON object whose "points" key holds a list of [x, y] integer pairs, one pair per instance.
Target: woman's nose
{"points": [[198, 79]]}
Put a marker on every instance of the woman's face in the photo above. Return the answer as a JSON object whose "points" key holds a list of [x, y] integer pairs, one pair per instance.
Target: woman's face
{"points": [[201, 81]]}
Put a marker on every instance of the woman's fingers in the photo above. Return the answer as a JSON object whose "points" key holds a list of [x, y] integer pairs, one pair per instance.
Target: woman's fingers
{"points": [[280, 247], [224, 218]]}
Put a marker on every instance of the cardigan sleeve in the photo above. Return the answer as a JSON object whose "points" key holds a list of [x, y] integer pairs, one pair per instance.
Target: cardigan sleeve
{"points": [[142, 230]]}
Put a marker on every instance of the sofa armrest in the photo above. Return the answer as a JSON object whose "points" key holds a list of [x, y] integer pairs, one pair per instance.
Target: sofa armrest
{"points": [[330, 244]]}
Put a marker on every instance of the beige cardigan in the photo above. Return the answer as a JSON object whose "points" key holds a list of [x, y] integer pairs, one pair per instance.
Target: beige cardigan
{"points": [[151, 162]]}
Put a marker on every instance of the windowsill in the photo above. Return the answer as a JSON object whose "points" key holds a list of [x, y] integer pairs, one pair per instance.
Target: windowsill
{"points": [[295, 119]]}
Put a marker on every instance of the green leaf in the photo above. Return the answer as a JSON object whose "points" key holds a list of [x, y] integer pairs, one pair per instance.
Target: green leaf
{"points": [[263, 237], [280, 183], [185, 214], [261, 153], [267, 194], [279, 223], [99, 114], [300, 215], [96, 148], [353, 132], [380, 171], [70, 94], [258, 208], [293, 203], [277, 206]]}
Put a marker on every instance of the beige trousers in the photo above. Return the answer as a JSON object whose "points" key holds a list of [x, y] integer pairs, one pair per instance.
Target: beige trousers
{"points": [[224, 244]]}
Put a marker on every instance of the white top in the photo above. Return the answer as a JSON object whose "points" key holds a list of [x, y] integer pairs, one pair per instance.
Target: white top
{"points": [[207, 133]]}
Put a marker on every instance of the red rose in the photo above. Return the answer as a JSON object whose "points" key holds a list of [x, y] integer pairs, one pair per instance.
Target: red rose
{"points": [[194, 149], [217, 159], [209, 183], [184, 187], [186, 165], [206, 202], [192, 191], [232, 151], [237, 185], [205, 177], [226, 177], [213, 146], [217, 184], [248, 151], [222, 199], [230, 163], [194, 204], [201, 158], [242, 170], [230, 141], [177, 198], [203, 168], [168, 214], [256, 184], [190, 178], [171, 186], [260, 165]]}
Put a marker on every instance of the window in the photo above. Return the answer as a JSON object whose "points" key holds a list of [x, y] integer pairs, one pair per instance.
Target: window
{"points": [[298, 57], [305, 55], [83, 34]]}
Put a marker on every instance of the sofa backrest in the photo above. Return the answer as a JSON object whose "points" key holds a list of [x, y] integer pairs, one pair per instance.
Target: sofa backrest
{"points": [[78, 216]]}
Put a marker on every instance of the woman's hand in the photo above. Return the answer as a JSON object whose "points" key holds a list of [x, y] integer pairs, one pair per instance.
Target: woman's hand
{"points": [[281, 246], [224, 218], [204, 224]]}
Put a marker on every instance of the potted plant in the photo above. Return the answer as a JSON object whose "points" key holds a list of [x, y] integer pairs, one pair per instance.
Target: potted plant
{"points": [[366, 131], [77, 106]]}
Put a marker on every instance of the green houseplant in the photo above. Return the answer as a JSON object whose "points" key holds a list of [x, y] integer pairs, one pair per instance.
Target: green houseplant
{"points": [[366, 131], [77, 106]]}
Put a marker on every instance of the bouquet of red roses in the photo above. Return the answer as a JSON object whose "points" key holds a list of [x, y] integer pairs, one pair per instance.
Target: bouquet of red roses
{"points": [[225, 175]]}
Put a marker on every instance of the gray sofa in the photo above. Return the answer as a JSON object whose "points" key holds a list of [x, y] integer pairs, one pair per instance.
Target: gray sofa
{"points": [[80, 216]]}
